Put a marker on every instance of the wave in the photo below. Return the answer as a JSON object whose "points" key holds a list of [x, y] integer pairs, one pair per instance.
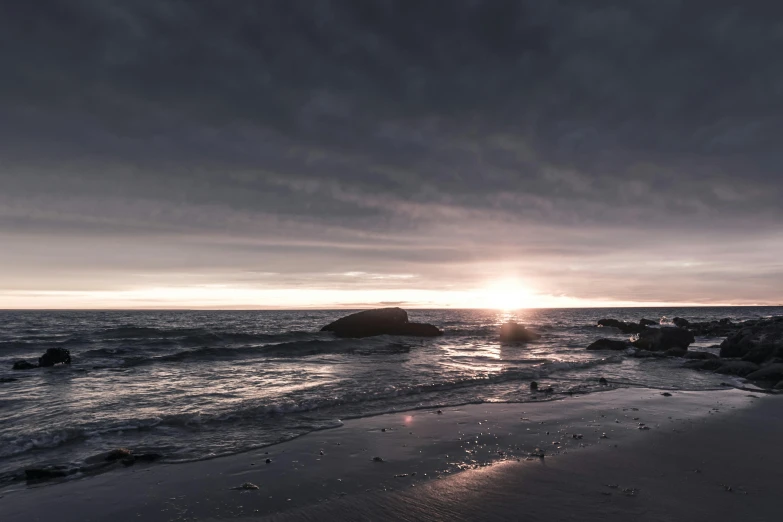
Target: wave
{"points": [[289, 349]]}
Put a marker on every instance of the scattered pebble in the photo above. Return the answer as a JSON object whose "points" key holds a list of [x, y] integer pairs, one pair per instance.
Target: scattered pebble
{"points": [[440, 412], [378, 459], [268, 461], [577, 435], [666, 394], [383, 430]]}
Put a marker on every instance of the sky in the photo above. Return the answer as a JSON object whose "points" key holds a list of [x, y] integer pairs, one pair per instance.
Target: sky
{"points": [[278, 154]]}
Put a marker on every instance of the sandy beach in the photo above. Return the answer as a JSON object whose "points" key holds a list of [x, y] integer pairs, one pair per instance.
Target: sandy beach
{"points": [[607, 456]]}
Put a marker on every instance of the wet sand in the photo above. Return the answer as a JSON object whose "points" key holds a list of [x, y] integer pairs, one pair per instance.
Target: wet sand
{"points": [[706, 456]]}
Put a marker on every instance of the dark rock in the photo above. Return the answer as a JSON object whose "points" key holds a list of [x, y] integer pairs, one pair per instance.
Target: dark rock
{"points": [[755, 341], [703, 364], [118, 454], [603, 381], [534, 385], [609, 344], [680, 322], [268, 461], [381, 321], [629, 328], [23, 365], [648, 322], [37, 474], [512, 332], [739, 368], [675, 352], [700, 355], [773, 372], [54, 356], [660, 339], [666, 394]]}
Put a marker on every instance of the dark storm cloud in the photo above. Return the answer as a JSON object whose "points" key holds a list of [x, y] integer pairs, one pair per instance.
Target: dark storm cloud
{"points": [[414, 132]]}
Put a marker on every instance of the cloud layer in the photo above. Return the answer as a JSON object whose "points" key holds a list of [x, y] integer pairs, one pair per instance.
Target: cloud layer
{"points": [[619, 151]]}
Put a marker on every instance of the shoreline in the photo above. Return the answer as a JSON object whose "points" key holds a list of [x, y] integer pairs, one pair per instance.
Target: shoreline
{"points": [[333, 470]]}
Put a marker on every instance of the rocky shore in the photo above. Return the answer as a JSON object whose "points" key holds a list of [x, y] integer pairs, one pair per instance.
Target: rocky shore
{"points": [[751, 349]]}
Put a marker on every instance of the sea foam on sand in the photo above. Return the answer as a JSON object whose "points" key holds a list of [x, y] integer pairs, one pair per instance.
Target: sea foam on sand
{"points": [[628, 454]]}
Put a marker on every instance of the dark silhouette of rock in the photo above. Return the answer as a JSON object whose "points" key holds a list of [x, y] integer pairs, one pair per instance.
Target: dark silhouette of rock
{"points": [[661, 339], [629, 328], [381, 321], [534, 385], [609, 344], [23, 365], [118, 454], [700, 355], [755, 341], [648, 322], [54, 356], [512, 332], [680, 322], [675, 352], [603, 381], [773, 372], [703, 364], [739, 368]]}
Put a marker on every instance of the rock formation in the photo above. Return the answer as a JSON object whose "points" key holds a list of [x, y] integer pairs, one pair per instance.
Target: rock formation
{"points": [[381, 321], [512, 332]]}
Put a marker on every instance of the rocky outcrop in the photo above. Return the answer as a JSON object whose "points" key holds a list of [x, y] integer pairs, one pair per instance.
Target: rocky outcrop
{"points": [[661, 339], [648, 322], [512, 332], [23, 365], [771, 373], [757, 342], [703, 364], [680, 322], [739, 368], [381, 321], [609, 344], [629, 328], [54, 356]]}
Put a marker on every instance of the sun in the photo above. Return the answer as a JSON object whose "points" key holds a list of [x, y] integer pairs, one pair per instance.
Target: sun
{"points": [[507, 294]]}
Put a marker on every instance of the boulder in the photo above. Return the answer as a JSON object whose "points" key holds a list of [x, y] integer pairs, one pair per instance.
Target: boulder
{"points": [[755, 341], [648, 322], [675, 352], [512, 332], [680, 322], [54, 356], [630, 328], [700, 355], [381, 321], [661, 339], [23, 365], [703, 364], [609, 344], [739, 368], [773, 372]]}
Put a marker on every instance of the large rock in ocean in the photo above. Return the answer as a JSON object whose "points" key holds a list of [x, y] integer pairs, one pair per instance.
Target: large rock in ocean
{"points": [[381, 321], [23, 365], [661, 339], [512, 332], [609, 344], [756, 342], [630, 328], [54, 356]]}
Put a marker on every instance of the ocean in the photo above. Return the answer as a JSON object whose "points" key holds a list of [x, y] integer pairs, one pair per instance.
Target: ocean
{"points": [[193, 385]]}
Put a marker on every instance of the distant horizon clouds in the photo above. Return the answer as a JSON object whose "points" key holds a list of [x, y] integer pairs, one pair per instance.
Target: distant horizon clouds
{"points": [[326, 154]]}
